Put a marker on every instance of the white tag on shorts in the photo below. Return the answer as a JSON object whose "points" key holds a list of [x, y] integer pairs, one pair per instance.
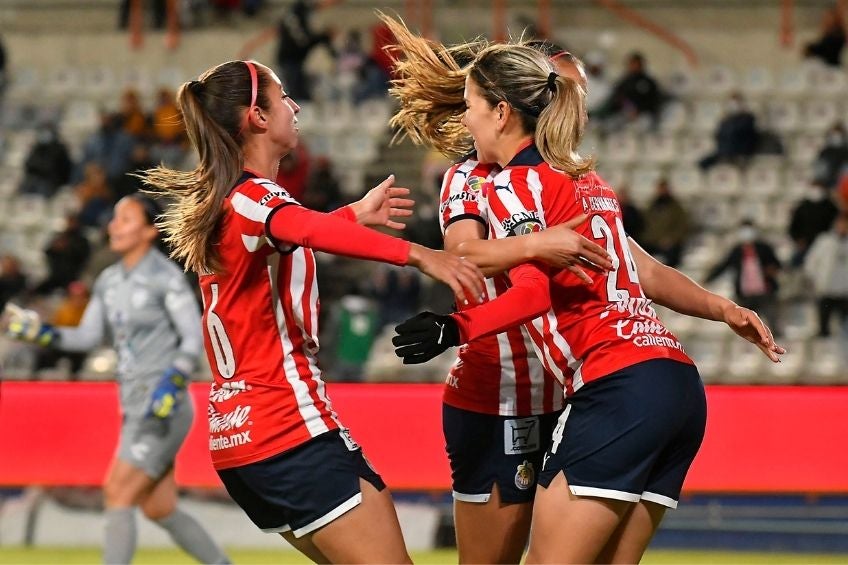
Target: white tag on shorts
{"points": [[521, 435], [348, 439]]}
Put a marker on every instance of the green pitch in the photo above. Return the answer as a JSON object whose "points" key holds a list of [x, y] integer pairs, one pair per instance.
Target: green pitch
{"points": [[74, 556]]}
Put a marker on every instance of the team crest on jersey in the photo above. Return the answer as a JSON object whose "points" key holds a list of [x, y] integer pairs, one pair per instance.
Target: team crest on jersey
{"points": [[525, 476], [475, 184], [527, 228]]}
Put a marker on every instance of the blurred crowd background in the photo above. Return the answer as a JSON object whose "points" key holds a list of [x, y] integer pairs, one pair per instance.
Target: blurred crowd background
{"points": [[722, 128]]}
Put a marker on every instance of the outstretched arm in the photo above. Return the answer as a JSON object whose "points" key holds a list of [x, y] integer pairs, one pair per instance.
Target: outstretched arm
{"points": [[670, 288]]}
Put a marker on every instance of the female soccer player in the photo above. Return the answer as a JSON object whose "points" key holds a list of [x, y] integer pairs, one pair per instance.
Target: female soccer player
{"points": [[636, 409], [500, 405], [275, 440], [151, 314]]}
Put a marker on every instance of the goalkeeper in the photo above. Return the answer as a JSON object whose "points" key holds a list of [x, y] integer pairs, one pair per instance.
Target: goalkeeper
{"points": [[145, 306]]}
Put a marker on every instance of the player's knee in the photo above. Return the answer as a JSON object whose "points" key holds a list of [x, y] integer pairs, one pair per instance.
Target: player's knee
{"points": [[156, 510]]}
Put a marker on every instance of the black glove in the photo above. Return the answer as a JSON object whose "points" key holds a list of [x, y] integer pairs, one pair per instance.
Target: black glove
{"points": [[424, 336]]}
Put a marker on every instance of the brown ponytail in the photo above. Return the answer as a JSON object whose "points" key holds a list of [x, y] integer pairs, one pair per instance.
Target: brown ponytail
{"points": [[212, 109]]}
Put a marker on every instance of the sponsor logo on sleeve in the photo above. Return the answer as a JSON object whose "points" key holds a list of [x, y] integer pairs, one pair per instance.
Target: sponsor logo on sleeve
{"points": [[281, 194]]}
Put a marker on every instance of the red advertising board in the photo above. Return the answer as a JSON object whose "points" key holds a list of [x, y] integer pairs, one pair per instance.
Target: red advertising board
{"points": [[759, 439]]}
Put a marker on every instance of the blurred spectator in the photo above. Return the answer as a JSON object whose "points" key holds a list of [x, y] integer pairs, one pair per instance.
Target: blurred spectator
{"points": [[667, 226], [94, 196], [158, 11], [293, 173], [68, 313], [12, 278], [110, 147], [295, 40], [351, 57], [813, 215], [356, 328], [736, 136], [396, 291], [631, 216], [832, 160], [48, 165], [755, 270], [599, 86], [66, 255], [826, 266], [132, 116], [168, 130], [635, 94], [129, 183], [828, 47], [323, 192]]}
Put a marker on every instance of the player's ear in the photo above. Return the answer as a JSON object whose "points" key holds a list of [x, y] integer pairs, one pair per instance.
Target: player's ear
{"points": [[503, 111]]}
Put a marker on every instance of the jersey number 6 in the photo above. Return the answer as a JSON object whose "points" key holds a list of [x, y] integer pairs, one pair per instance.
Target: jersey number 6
{"points": [[224, 357]]}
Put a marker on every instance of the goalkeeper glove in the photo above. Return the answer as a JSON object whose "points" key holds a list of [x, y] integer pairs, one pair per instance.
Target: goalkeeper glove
{"points": [[26, 325], [168, 394], [424, 336]]}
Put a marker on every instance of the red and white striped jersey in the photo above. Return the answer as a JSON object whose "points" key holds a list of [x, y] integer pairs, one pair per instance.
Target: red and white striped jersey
{"points": [[260, 322], [496, 374], [591, 330]]}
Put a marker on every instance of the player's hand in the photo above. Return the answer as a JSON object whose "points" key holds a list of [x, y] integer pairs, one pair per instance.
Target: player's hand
{"points": [[425, 336], [26, 325], [464, 278], [168, 394], [383, 204], [748, 325], [562, 248]]}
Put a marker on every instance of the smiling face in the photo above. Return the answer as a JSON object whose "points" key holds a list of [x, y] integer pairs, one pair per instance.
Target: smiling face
{"points": [[482, 121], [281, 114], [129, 229]]}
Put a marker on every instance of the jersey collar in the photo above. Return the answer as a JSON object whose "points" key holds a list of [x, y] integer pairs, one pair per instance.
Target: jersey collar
{"points": [[528, 156]]}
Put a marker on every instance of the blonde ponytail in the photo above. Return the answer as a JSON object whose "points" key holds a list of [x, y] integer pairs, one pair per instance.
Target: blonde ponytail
{"points": [[560, 128]]}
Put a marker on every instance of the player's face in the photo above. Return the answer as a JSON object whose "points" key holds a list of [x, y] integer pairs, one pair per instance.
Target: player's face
{"points": [[283, 114], [481, 120], [129, 229]]}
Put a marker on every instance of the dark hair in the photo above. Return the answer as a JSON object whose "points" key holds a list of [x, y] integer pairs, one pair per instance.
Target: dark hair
{"points": [[213, 110], [152, 209]]}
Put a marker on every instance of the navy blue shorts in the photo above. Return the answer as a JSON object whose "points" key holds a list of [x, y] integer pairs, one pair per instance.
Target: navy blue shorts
{"points": [[485, 449], [631, 435], [302, 489]]}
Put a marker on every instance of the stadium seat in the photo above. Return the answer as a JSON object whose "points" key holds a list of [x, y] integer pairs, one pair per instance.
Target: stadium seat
{"points": [[799, 320], [674, 117], [830, 361], [681, 82], [709, 355], [705, 115], [763, 178], [819, 115], [695, 147], [718, 80], [792, 365], [784, 116], [660, 149], [795, 81], [643, 183], [724, 180], [757, 82], [687, 181], [745, 363], [621, 148]]}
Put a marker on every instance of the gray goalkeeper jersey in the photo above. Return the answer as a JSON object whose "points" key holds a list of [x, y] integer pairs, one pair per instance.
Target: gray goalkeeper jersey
{"points": [[152, 319]]}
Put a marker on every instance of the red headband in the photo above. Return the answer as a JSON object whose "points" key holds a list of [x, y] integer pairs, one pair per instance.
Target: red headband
{"points": [[254, 88]]}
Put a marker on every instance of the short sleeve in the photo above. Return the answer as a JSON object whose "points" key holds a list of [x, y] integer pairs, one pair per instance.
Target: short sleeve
{"points": [[252, 203], [462, 195]]}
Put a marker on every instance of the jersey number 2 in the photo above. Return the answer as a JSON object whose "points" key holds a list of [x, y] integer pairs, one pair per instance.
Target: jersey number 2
{"points": [[602, 229], [224, 357]]}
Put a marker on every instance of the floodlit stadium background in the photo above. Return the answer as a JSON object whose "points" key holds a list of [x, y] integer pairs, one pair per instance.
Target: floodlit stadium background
{"points": [[771, 475]]}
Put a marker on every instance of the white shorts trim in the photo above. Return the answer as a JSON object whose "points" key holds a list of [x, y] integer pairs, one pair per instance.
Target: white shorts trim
{"points": [[604, 493], [659, 499], [345, 506], [277, 530], [478, 498]]}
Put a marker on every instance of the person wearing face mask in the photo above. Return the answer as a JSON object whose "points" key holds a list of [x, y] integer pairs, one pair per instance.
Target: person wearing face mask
{"points": [[736, 136], [833, 157], [48, 165], [813, 215], [826, 266], [755, 268]]}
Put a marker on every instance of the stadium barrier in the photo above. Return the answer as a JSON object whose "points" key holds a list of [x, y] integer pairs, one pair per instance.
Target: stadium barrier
{"points": [[759, 439]]}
